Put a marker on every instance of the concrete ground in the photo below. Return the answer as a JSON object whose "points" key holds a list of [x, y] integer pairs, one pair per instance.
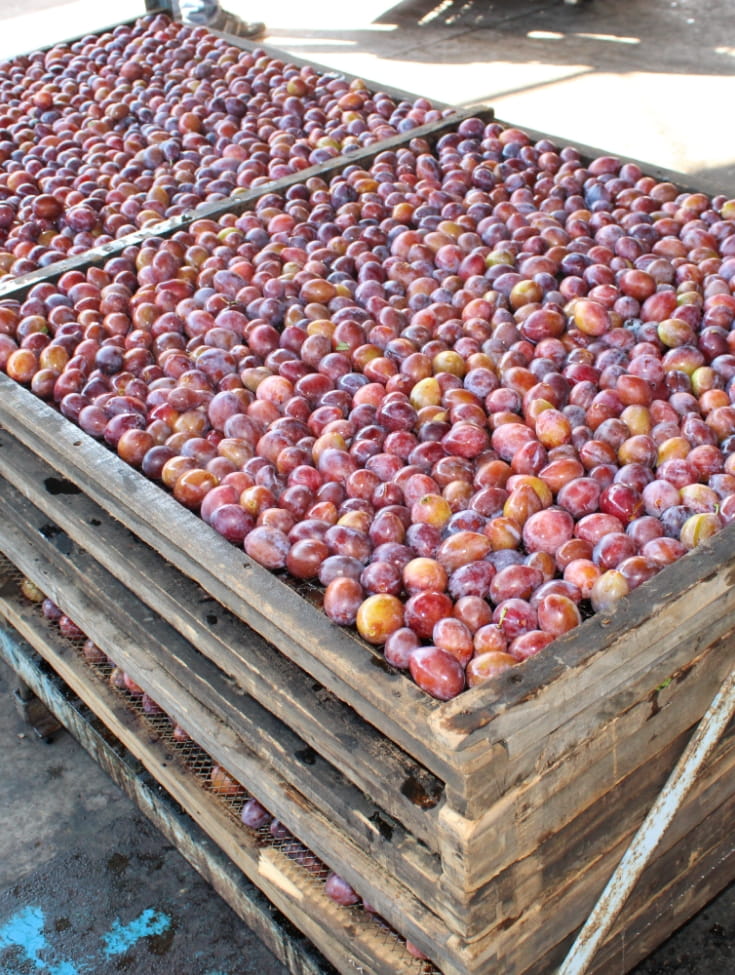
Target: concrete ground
{"points": [[86, 886]]}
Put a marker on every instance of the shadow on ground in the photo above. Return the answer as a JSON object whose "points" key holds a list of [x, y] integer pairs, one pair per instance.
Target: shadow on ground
{"points": [[670, 36]]}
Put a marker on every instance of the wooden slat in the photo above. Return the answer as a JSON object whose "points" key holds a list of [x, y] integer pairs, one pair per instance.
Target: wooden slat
{"points": [[548, 799], [579, 857], [273, 928], [531, 938], [338, 823], [329, 653], [565, 875], [349, 939], [534, 830], [403, 788], [641, 622], [677, 887]]}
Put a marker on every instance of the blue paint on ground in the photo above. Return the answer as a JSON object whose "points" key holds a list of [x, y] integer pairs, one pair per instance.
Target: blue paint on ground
{"points": [[25, 930], [123, 936]]}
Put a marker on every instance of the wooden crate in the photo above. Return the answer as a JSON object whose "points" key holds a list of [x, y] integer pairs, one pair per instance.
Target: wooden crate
{"points": [[243, 198], [469, 824], [484, 828]]}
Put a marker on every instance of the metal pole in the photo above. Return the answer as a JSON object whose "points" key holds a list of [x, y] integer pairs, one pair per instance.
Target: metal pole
{"points": [[641, 849]]}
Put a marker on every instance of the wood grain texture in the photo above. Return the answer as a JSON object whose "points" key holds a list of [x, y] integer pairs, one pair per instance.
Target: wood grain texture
{"points": [[550, 797]]}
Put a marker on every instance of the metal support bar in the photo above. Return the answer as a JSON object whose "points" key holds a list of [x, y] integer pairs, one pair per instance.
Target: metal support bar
{"points": [[641, 849]]}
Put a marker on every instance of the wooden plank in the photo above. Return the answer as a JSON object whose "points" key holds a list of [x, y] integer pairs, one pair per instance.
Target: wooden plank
{"points": [[549, 797], [560, 698], [530, 938], [564, 877], [273, 928], [349, 939], [562, 853], [332, 655], [403, 788], [311, 798], [678, 886]]}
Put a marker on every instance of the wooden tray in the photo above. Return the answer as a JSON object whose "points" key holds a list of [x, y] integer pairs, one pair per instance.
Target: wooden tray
{"points": [[483, 828]]}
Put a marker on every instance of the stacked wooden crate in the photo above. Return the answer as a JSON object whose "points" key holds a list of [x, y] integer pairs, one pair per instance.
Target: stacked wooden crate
{"points": [[480, 829], [483, 828]]}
